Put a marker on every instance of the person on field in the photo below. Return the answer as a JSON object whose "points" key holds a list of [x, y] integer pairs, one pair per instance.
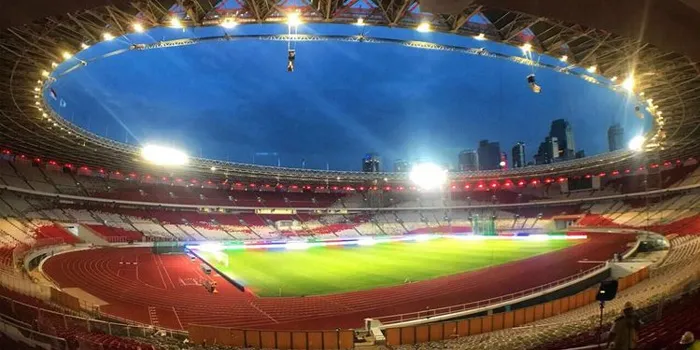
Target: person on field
{"points": [[624, 333]]}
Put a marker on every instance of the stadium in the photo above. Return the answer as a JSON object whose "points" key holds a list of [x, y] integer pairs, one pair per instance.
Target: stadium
{"points": [[128, 227]]}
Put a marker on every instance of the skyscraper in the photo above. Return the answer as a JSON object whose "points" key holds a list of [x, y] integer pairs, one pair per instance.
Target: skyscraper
{"points": [[616, 136], [561, 129], [489, 155], [548, 152], [401, 166], [518, 154], [468, 160], [370, 163]]}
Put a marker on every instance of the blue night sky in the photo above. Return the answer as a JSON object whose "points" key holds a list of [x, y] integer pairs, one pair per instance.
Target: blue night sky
{"points": [[231, 100]]}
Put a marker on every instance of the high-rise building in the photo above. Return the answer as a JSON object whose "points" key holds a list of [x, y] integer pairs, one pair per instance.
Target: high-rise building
{"points": [[548, 152], [518, 154], [401, 166], [616, 136], [561, 129], [489, 155], [370, 163], [468, 160]]}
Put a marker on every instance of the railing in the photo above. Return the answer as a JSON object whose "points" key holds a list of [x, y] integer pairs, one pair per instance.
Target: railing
{"points": [[474, 305]]}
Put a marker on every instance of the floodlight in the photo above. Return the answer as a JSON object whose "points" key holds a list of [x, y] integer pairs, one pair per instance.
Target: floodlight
{"points": [[360, 21], [564, 58], [423, 27], [636, 143], [44, 73], [212, 168], [160, 155], [66, 55], [428, 175], [54, 64], [175, 22], [229, 23], [527, 47], [107, 36], [293, 19], [592, 69], [480, 37], [84, 46], [628, 83], [613, 79], [138, 27]]}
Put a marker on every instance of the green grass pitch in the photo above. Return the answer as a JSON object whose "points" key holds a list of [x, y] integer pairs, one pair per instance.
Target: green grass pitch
{"points": [[326, 270]]}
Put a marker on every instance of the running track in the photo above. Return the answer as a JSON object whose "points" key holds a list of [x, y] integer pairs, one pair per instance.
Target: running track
{"points": [[134, 281]]}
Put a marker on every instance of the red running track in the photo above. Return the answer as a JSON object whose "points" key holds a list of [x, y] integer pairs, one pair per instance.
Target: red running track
{"points": [[167, 284]]}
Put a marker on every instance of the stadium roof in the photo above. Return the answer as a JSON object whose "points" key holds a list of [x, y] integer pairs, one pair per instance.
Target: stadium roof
{"points": [[34, 34]]}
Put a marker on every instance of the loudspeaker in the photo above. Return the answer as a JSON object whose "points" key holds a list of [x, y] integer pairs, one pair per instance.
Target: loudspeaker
{"points": [[607, 291]]}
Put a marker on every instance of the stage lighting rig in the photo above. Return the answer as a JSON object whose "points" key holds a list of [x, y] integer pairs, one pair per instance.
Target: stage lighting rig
{"points": [[533, 84], [291, 55]]}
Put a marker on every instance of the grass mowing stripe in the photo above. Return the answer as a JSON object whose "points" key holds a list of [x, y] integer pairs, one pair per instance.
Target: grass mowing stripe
{"points": [[323, 270]]}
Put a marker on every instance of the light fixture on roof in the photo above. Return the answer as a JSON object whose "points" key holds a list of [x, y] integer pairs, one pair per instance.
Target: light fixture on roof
{"points": [[84, 46], [213, 168], [165, 156], [229, 22], [480, 37], [360, 21], [527, 47], [636, 143], [107, 36], [428, 176], [175, 22], [36, 89], [44, 73], [138, 27], [66, 55], [628, 83], [54, 64], [564, 58], [592, 69], [613, 79], [423, 27], [293, 19]]}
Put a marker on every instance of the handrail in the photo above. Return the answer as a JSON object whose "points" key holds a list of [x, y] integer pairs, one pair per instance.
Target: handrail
{"points": [[390, 209], [446, 310]]}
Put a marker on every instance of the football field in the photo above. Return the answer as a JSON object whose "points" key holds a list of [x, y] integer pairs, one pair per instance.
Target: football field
{"points": [[337, 269]]}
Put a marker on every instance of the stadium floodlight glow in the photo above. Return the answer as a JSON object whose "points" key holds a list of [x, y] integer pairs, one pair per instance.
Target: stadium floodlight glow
{"points": [[66, 55], [297, 245], [628, 83], [423, 27], [428, 176], [636, 143], [36, 89], [107, 36], [54, 64], [480, 37], [229, 23], [527, 47], [212, 168], [613, 79], [138, 27], [160, 155], [564, 58], [44, 73], [84, 46], [293, 19], [592, 69], [175, 22], [360, 21]]}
